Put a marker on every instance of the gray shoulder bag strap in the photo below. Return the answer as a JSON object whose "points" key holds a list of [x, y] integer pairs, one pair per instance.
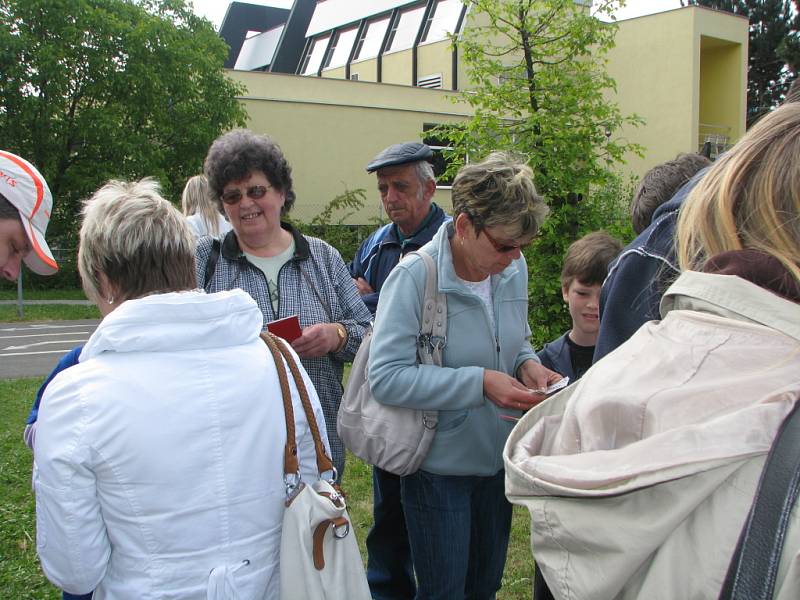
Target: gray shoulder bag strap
{"points": [[754, 566], [433, 328]]}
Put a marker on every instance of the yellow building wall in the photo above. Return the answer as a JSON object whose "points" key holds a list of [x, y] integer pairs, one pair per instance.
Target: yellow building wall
{"points": [[435, 58], [721, 103], [679, 70], [396, 67], [367, 69], [669, 72], [335, 73], [329, 129]]}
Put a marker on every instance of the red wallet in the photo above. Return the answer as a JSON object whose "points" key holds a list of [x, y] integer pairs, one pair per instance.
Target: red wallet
{"points": [[288, 328]]}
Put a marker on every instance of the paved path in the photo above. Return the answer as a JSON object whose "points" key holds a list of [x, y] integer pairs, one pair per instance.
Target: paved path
{"points": [[33, 349]]}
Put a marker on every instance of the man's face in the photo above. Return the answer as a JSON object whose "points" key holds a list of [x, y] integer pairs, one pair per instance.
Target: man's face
{"points": [[405, 200], [14, 246]]}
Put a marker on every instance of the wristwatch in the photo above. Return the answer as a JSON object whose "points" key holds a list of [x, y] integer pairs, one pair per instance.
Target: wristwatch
{"points": [[342, 333]]}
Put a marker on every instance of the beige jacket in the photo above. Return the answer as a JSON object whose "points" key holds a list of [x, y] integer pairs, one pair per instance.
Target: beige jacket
{"points": [[639, 477]]}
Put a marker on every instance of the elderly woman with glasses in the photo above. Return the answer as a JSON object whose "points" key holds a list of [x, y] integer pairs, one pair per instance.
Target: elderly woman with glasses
{"points": [[287, 273], [457, 516], [146, 450]]}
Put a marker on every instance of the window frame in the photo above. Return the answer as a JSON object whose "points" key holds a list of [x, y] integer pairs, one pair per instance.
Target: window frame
{"points": [[395, 26]]}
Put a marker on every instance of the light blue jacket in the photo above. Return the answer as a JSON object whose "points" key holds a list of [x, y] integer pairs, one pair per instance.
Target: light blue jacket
{"points": [[470, 436]]}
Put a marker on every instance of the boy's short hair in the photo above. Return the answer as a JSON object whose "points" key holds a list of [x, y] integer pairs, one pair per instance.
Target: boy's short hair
{"points": [[588, 258], [660, 183]]}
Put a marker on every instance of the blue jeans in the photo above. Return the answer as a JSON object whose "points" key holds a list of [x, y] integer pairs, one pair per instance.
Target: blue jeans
{"points": [[68, 596], [389, 570], [458, 527]]}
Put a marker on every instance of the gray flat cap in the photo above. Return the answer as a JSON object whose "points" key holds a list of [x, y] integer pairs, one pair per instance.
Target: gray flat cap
{"points": [[400, 154]]}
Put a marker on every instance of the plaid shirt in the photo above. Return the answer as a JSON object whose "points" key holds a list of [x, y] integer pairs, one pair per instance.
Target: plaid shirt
{"points": [[315, 285]]}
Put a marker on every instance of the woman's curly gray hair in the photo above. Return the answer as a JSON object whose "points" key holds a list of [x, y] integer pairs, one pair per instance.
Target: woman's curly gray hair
{"points": [[499, 191], [236, 154]]}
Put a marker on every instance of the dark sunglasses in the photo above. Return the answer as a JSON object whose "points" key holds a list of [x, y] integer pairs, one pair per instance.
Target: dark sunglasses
{"points": [[254, 193], [503, 248]]}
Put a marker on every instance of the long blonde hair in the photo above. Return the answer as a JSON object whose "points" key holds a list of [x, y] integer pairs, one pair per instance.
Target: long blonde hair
{"points": [[196, 198], [750, 198]]}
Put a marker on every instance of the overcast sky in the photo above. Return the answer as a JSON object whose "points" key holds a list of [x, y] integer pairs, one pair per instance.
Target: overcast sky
{"points": [[214, 10]]}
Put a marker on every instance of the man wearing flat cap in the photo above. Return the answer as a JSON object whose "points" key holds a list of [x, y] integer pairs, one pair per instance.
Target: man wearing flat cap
{"points": [[25, 206], [406, 185]]}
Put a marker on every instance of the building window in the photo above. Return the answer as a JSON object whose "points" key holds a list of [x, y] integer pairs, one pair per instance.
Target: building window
{"points": [[442, 20], [438, 160], [313, 59], [370, 42], [340, 49], [405, 28]]}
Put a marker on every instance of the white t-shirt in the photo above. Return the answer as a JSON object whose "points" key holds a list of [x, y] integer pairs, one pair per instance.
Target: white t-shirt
{"points": [[483, 290], [198, 225], [271, 266]]}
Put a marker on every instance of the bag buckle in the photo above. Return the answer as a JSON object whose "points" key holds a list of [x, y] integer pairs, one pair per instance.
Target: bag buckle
{"points": [[437, 342], [430, 423], [431, 343], [334, 475], [292, 481]]}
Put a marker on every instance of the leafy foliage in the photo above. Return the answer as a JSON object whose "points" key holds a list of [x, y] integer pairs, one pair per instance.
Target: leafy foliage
{"points": [[329, 224], [539, 88], [789, 47], [604, 208], [99, 89], [774, 49], [538, 79]]}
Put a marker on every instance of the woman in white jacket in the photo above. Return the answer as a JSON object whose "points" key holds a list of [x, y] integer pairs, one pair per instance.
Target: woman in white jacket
{"points": [[639, 478], [159, 457]]}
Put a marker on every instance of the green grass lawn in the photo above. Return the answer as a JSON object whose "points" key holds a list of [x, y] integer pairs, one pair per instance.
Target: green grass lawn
{"points": [[22, 579], [48, 312], [9, 293], [53, 312]]}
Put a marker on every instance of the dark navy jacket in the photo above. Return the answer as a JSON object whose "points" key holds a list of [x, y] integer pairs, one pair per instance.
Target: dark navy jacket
{"points": [[382, 250], [640, 275], [556, 357], [70, 359]]}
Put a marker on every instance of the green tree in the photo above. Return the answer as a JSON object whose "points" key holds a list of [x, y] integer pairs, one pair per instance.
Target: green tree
{"points": [[99, 89], [773, 53], [789, 48], [539, 87]]}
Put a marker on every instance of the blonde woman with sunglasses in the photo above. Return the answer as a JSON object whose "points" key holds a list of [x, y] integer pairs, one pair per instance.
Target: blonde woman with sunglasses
{"points": [[287, 273]]}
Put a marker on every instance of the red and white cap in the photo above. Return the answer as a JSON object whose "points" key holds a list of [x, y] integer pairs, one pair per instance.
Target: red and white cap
{"points": [[23, 186]]}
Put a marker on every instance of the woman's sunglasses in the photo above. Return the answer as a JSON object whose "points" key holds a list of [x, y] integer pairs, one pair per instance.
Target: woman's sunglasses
{"points": [[254, 193], [503, 248]]}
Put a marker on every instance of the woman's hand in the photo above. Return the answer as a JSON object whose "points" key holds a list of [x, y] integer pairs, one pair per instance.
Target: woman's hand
{"points": [[507, 392], [317, 340], [536, 376]]}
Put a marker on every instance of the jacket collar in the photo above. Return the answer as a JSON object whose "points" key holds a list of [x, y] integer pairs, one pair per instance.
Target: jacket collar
{"points": [[732, 297], [232, 251], [173, 321], [422, 235]]}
